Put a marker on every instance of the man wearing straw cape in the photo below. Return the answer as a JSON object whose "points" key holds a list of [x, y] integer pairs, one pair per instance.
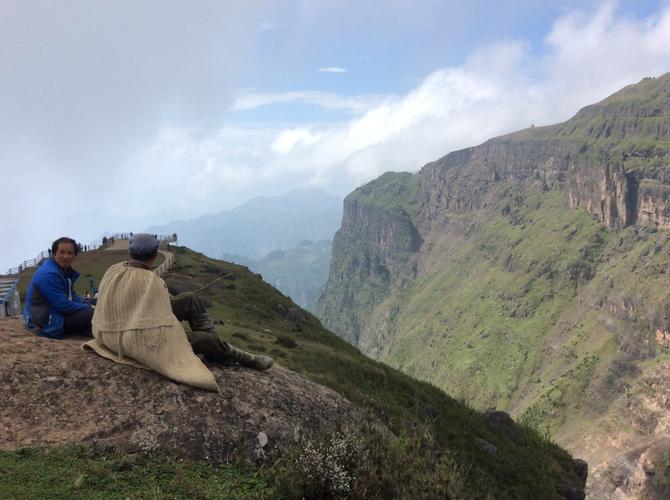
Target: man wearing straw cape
{"points": [[137, 322]]}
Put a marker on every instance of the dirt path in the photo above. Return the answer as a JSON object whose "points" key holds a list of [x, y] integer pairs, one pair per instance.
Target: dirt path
{"points": [[118, 245]]}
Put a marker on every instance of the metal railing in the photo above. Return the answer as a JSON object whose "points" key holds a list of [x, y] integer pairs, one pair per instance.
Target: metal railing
{"points": [[166, 265], [163, 238], [13, 271], [9, 304]]}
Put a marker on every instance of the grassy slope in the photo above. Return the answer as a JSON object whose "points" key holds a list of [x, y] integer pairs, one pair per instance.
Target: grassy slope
{"points": [[472, 324], [521, 312], [249, 308], [80, 472], [528, 467], [627, 126]]}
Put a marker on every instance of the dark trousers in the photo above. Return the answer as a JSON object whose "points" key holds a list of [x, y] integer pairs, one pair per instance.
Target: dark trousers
{"points": [[188, 307], [79, 322]]}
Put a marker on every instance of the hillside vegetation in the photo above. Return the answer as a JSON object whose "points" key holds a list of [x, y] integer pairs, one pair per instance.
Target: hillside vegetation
{"points": [[438, 448]]}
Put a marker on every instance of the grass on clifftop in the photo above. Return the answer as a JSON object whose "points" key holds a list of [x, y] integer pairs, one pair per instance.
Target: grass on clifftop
{"points": [[393, 191], [82, 472]]}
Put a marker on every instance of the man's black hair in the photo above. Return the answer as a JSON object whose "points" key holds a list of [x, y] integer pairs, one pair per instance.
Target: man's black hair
{"points": [[143, 247], [64, 239]]}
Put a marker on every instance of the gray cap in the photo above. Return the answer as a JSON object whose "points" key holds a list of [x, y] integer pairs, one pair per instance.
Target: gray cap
{"points": [[142, 246]]}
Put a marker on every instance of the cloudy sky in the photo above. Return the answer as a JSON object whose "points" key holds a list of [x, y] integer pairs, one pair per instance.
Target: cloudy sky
{"points": [[117, 115]]}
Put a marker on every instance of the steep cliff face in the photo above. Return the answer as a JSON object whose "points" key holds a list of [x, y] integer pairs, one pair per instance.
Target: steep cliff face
{"points": [[653, 206], [611, 160], [526, 249], [600, 158], [603, 190], [462, 181], [374, 251]]}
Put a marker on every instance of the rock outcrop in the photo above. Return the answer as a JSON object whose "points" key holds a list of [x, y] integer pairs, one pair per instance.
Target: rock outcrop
{"points": [[603, 191], [632, 458], [55, 393]]}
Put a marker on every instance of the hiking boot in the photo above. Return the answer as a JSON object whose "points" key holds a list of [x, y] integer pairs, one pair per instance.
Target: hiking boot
{"points": [[249, 360]]}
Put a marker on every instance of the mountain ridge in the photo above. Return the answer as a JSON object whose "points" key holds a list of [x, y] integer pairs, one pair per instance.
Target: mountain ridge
{"points": [[528, 273], [261, 225]]}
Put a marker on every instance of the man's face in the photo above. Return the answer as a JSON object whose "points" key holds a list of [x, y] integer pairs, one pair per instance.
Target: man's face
{"points": [[64, 254]]}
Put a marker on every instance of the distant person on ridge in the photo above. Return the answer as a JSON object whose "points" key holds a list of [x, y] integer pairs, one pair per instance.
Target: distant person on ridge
{"points": [[137, 322], [53, 309]]}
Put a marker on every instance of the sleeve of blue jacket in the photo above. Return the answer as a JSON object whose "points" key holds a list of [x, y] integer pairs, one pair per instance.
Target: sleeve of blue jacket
{"points": [[76, 298], [52, 290]]}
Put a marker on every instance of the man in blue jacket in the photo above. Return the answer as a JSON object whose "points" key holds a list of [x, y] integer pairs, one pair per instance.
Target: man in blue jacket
{"points": [[52, 308]]}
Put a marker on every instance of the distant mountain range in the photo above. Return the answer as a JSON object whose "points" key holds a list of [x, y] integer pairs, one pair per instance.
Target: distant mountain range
{"points": [[261, 225], [300, 272]]}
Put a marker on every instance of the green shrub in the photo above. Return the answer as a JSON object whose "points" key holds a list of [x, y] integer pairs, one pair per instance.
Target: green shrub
{"points": [[370, 463]]}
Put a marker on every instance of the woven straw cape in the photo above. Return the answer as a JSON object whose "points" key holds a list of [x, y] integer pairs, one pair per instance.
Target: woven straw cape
{"points": [[133, 324]]}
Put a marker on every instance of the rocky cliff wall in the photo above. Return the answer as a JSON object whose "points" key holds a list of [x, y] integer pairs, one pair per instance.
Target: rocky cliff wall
{"points": [[461, 181], [616, 192], [604, 191], [612, 159], [374, 248], [653, 207]]}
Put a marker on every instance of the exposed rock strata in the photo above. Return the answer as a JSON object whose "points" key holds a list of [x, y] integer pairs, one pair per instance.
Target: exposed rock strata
{"points": [[632, 460], [611, 159], [603, 191]]}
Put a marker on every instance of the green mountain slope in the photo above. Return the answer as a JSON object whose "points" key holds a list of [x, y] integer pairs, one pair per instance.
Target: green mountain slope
{"points": [[437, 447], [261, 319], [529, 273]]}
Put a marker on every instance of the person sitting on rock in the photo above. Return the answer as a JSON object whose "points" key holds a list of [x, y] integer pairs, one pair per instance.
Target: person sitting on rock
{"points": [[53, 308], [137, 322]]}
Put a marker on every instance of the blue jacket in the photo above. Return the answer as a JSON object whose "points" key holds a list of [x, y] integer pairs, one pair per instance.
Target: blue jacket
{"points": [[50, 297]]}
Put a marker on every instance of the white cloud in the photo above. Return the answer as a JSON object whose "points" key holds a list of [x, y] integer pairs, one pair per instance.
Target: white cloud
{"points": [[196, 173], [332, 69], [326, 100], [500, 88], [191, 163], [288, 139]]}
